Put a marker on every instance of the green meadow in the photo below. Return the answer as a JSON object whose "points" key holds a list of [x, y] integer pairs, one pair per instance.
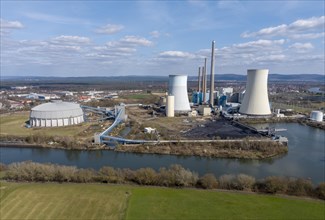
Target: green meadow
{"points": [[101, 201]]}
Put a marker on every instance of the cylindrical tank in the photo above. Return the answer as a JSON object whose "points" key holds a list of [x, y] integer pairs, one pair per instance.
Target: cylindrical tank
{"points": [[177, 87], [256, 100], [316, 116], [170, 106]]}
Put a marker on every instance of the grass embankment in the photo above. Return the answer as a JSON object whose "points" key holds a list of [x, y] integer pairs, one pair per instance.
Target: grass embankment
{"points": [[14, 124], [92, 201], [12, 128]]}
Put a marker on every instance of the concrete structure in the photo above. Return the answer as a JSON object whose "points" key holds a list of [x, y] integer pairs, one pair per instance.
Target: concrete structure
{"points": [[256, 100], [316, 116], [211, 100], [204, 74], [170, 111], [55, 114], [177, 87], [199, 81], [204, 110]]}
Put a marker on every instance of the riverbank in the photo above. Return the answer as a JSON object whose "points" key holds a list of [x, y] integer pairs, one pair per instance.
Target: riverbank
{"points": [[240, 149], [304, 121]]}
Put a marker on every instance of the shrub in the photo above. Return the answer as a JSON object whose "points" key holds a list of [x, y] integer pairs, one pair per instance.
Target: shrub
{"points": [[64, 173], [84, 176], [300, 187], [145, 176], [3, 167], [227, 181], [320, 191], [208, 181], [108, 175], [244, 182], [176, 175], [274, 184]]}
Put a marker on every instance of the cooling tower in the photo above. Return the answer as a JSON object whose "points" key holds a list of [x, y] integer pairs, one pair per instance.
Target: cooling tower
{"points": [[256, 100], [177, 87]]}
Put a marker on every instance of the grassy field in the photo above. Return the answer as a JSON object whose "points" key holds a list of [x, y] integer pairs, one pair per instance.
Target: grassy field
{"points": [[14, 124], [198, 204], [93, 201], [65, 201]]}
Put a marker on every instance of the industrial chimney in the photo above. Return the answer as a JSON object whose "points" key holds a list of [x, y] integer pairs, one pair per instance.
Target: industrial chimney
{"points": [[177, 87], [256, 100], [212, 76], [204, 72]]}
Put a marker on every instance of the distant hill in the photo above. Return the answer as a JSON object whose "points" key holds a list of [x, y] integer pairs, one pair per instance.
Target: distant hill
{"points": [[272, 77], [134, 78]]}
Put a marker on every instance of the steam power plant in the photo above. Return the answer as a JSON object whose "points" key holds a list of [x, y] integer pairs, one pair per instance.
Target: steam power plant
{"points": [[177, 87], [256, 100]]}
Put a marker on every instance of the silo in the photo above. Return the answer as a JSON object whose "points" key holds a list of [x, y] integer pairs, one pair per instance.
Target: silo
{"points": [[170, 106], [177, 87], [256, 100], [316, 116]]}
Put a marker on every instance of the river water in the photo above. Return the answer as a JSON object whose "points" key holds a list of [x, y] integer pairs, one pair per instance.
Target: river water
{"points": [[306, 158]]}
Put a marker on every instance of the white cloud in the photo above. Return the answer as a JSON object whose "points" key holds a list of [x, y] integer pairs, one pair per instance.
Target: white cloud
{"points": [[292, 30], [313, 22], [308, 36], [260, 43], [176, 54], [109, 29], [130, 41], [64, 39], [303, 46], [135, 41], [4, 24], [7, 26], [155, 34], [54, 18]]}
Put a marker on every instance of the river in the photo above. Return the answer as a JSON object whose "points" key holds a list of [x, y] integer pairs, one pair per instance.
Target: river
{"points": [[306, 158]]}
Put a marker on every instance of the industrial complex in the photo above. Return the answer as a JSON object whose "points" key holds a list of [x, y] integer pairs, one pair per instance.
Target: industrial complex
{"points": [[188, 112]]}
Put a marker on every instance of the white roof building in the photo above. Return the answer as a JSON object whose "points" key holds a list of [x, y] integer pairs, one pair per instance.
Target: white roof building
{"points": [[56, 113]]}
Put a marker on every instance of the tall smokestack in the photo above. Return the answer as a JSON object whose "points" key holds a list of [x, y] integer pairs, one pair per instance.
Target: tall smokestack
{"points": [[212, 76], [199, 81], [205, 80]]}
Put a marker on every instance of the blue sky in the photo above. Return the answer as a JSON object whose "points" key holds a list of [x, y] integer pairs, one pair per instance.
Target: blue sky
{"points": [[109, 38]]}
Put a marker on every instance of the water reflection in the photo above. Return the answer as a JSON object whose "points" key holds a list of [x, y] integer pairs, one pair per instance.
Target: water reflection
{"points": [[72, 155]]}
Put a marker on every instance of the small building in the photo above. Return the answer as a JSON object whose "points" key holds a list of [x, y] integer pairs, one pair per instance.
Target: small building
{"points": [[204, 110]]}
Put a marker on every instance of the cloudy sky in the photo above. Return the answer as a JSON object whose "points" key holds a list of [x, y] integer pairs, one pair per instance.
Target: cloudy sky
{"points": [[109, 38]]}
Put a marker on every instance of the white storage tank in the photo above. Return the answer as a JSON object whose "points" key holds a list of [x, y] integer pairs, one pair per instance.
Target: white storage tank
{"points": [[177, 87], [55, 114], [170, 111], [316, 116]]}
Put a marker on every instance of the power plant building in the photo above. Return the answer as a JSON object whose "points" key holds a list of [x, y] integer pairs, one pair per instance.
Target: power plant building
{"points": [[55, 114], [256, 99], [177, 87]]}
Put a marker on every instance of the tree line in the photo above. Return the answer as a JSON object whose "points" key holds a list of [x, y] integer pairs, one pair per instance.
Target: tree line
{"points": [[172, 176]]}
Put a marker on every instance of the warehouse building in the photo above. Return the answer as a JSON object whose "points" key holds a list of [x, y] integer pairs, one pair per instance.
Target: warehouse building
{"points": [[56, 113]]}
